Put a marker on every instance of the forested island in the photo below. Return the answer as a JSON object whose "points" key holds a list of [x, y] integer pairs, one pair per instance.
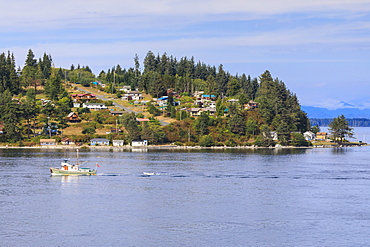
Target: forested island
{"points": [[172, 101]]}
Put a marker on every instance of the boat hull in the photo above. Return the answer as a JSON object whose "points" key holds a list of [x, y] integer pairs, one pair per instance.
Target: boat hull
{"points": [[57, 171]]}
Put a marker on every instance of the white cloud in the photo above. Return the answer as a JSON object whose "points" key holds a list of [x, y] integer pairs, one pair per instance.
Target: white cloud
{"points": [[46, 13]]}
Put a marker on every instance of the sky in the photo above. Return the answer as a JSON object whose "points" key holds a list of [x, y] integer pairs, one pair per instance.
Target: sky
{"points": [[319, 49]]}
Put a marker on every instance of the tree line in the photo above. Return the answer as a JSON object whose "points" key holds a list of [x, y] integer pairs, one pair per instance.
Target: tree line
{"points": [[279, 109]]}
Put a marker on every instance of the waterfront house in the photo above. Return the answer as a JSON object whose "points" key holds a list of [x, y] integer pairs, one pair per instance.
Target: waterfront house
{"points": [[99, 142], [67, 141], [118, 143], [321, 136], [139, 143], [309, 135], [47, 142]]}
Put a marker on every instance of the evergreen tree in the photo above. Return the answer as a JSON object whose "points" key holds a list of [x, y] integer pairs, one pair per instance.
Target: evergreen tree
{"points": [[340, 129], [150, 64], [10, 115], [202, 123], [9, 79], [279, 107], [221, 81], [237, 124], [53, 87], [29, 71]]}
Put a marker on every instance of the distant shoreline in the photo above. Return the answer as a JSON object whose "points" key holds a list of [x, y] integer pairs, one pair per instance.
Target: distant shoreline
{"points": [[173, 147]]}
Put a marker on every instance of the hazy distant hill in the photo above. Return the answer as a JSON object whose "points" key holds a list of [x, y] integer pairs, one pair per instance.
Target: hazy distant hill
{"points": [[317, 112]]}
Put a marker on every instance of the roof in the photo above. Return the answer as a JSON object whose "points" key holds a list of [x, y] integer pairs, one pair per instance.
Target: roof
{"points": [[47, 140], [142, 119], [209, 109], [71, 114], [82, 94], [94, 104], [100, 139]]}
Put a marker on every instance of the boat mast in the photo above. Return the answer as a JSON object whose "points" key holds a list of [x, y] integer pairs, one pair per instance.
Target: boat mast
{"points": [[77, 157]]}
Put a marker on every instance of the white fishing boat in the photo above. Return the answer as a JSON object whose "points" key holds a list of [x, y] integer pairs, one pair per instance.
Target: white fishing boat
{"points": [[72, 169]]}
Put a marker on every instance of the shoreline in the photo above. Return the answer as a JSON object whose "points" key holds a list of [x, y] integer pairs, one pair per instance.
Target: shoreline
{"points": [[172, 147]]}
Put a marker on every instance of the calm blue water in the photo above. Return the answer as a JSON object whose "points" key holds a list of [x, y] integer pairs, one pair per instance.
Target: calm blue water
{"points": [[290, 197]]}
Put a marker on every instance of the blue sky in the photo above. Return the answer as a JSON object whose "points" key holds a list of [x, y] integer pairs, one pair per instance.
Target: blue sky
{"points": [[320, 49]]}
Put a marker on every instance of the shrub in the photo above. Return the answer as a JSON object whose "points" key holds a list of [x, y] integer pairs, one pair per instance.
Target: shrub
{"points": [[88, 130], [206, 141]]}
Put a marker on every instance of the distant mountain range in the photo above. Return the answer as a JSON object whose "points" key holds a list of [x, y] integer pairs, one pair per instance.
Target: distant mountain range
{"points": [[322, 113]]}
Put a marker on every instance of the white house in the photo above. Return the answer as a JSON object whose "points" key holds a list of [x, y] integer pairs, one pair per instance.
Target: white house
{"points": [[309, 135], [99, 142], [95, 106], [133, 95], [126, 89], [139, 143], [117, 143], [211, 104]]}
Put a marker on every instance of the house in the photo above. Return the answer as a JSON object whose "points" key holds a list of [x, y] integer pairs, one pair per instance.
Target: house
{"points": [[115, 130], [162, 101], [309, 135], [211, 111], [95, 106], [47, 142], [133, 95], [76, 104], [273, 135], [117, 113], [321, 136], [118, 143], [126, 89], [99, 142], [67, 141], [233, 100], [208, 97], [211, 104], [195, 112], [250, 105], [78, 97], [139, 143], [73, 117], [198, 94]]}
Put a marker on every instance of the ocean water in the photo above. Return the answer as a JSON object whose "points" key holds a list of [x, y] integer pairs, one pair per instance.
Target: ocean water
{"points": [[264, 197]]}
